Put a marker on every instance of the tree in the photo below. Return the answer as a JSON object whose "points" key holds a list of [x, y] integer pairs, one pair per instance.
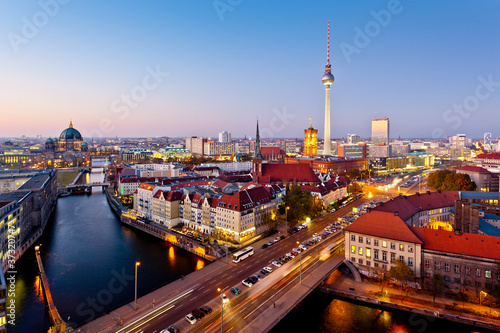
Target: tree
{"points": [[447, 180], [404, 274], [436, 285]]}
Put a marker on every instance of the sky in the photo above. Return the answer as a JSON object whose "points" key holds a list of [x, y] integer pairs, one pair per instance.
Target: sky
{"points": [[197, 68]]}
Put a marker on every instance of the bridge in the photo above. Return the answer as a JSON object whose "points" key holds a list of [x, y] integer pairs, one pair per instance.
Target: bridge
{"points": [[58, 324]]}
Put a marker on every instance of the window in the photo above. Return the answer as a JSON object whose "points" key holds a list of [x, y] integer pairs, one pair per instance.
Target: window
{"points": [[384, 244], [446, 278], [375, 242], [478, 271], [360, 239], [353, 249], [437, 265], [487, 274], [427, 263], [375, 265], [361, 261], [384, 267], [427, 274], [393, 257], [498, 275], [402, 258], [360, 251], [353, 259], [368, 241], [368, 263], [457, 269], [375, 254], [410, 261], [446, 267], [368, 253], [393, 246], [467, 270], [456, 280], [384, 256], [353, 238], [401, 247], [478, 284]]}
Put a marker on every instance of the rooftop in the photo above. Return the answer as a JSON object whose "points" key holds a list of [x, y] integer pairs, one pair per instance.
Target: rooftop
{"points": [[488, 229], [479, 195]]}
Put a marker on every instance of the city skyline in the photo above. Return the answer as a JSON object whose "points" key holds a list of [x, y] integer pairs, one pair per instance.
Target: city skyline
{"points": [[128, 70]]}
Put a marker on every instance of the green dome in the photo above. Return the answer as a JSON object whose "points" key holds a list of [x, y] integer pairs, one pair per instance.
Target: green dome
{"points": [[70, 133], [49, 140]]}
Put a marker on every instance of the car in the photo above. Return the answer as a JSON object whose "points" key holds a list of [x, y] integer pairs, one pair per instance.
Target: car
{"points": [[190, 319], [198, 314], [263, 271], [171, 329], [253, 279], [235, 290], [282, 237], [224, 298], [269, 269], [270, 243], [294, 253], [247, 283], [291, 255], [257, 276], [265, 245], [206, 309], [276, 263], [315, 235]]}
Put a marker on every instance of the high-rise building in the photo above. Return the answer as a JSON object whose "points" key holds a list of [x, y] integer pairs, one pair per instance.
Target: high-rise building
{"points": [[459, 141], [487, 141], [310, 141], [380, 131], [327, 81], [224, 136], [352, 139]]}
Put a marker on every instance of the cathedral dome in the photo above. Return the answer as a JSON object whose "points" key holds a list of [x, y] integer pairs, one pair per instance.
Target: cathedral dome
{"points": [[70, 133]]}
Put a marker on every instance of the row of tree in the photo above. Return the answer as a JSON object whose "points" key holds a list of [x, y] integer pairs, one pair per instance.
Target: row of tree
{"points": [[447, 180], [299, 204]]}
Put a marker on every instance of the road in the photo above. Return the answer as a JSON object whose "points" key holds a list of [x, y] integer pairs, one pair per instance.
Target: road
{"points": [[247, 305]]}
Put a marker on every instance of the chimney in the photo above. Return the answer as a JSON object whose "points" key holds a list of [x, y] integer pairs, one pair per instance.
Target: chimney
{"points": [[458, 232], [429, 192], [396, 213], [439, 191]]}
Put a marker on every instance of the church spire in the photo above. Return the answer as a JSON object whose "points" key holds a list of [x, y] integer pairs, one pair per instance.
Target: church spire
{"points": [[257, 154]]}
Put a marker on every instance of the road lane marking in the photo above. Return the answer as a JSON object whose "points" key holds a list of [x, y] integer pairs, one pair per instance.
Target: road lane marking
{"points": [[255, 310]]}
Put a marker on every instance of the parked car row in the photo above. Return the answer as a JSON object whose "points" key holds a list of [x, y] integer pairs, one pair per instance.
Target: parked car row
{"points": [[192, 318], [274, 241], [297, 229]]}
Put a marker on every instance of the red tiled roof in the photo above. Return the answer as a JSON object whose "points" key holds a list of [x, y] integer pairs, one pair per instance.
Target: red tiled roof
{"points": [[384, 225], [169, 195], [219, 184], [245, 199], [490, 156], [473, 169], [409, 206], [148, 187], [475, 245], [271, 151], [288, 173]]}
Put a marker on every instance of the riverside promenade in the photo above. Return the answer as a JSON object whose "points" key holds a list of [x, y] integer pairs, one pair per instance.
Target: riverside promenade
{"points": [[420, 304]]}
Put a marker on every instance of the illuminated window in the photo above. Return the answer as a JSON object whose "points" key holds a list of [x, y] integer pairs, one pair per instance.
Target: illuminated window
{"points": [[368, 241], [384, 243], [360, 251], [401, 247], [393, 246], [410, 248], [368, 253], [353, 249], [487, 274], [478, 271]]}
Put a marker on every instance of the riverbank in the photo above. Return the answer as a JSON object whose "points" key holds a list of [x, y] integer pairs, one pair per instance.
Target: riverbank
{"points": [[420, 304]]}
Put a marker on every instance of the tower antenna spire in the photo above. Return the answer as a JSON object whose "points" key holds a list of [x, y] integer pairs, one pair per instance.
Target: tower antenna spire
{"points": [[328, 45]]}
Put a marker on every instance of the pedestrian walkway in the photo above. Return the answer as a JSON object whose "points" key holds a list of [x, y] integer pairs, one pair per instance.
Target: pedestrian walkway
{"points": [[126, 314], [419, 302]]}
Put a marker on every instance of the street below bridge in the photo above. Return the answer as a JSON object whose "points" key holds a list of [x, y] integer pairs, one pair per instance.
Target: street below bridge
{"points": [[272, 291]]}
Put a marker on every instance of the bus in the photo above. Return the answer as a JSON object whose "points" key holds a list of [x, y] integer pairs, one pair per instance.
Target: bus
{"points": [[328, 251], [242, 254]]}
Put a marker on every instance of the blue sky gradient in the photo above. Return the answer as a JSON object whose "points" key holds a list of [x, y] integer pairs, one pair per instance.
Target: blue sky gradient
{"points": [[219, 69]]}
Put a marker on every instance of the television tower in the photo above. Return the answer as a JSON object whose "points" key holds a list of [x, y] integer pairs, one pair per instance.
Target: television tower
{"points": [[327, 81]]}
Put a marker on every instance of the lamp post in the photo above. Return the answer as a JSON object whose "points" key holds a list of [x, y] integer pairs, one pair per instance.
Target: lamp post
{"points": [[286, 212], [136, 265], [481, 294], [300, 265], [221, 310]]}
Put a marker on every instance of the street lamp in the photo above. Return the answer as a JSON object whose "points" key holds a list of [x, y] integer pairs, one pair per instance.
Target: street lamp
{"points": [[286, 212], [300, 274], [481, 294], [137, 263], [221, 310]]}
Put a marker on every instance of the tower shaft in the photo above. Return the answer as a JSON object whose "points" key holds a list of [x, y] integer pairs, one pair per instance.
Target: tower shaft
{"points": [[327, 140]]}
